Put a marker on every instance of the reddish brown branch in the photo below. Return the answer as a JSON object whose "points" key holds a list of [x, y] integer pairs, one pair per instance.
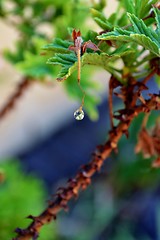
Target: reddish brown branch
{"points": [[148, 77], [83, 177], [23, 85]]}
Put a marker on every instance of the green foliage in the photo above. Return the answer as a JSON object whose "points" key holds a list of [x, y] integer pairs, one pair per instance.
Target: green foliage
{"points": [[58, 45], [101, 20], [19, 196], [33, 65], [137, 7], [108, 23], [29, 57], [141, 34], [68, 61], [127, 179], [138, 33], [136, 24], [32, 16]]}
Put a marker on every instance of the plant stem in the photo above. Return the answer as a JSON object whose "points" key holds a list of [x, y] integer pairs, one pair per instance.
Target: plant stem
{"points": [[21, 88], [83, 177]]}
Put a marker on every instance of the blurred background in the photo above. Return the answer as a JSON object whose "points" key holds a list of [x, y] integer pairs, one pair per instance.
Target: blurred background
{"points": [[42, 145]]}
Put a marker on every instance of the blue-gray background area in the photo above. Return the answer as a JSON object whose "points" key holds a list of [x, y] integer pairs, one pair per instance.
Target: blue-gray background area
{"points": [[62, 154]]}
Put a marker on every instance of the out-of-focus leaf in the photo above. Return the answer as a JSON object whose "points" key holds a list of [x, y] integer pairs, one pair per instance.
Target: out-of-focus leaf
{"points": [[129, 6], [101, 20], [131, 174], [34, 66], [139, 8], [14, 192], [142, 8], [158, 80]]}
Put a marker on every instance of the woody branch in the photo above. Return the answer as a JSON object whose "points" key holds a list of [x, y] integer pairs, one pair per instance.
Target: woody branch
{"points": [[9, 105], [83, 177]]}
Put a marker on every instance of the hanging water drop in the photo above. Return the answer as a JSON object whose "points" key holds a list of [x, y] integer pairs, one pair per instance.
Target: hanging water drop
{"points": [[79, 114]]}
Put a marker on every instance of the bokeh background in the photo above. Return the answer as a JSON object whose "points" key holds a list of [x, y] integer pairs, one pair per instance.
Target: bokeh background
{"points": [[42, 145]]}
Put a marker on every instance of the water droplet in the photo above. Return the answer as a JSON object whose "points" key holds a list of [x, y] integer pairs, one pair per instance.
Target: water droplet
{"points": [[79, 114]]}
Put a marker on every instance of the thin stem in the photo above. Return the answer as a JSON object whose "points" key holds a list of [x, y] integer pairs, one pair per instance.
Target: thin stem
{"points": [[84, 94], [110, 103], [79, 64], [145, 120], [21, 88]]}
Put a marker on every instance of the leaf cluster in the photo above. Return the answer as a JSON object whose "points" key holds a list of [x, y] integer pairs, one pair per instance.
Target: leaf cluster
{"points": [[29, 20], [128, 42]]}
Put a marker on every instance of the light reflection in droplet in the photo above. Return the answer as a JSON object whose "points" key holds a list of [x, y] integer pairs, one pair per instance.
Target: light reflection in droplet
{"points": [[79, 114]]}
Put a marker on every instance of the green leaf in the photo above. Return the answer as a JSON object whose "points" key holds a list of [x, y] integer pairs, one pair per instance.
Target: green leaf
{"points": [[34, 66], [146, 43], [58, 45], [68, 62], [139, 27], [129, 6], [140, 8], [17, 182], [157, 17], [91, 101], [101, 20], [141, 34]]}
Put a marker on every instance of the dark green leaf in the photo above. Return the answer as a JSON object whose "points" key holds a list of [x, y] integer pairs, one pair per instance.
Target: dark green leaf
{"points": [[141, 34], [58, 46]]}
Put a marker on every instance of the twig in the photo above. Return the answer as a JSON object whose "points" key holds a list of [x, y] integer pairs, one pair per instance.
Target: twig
{"points": [[113, 83], [23, 85], [148, 77], [83, 177], [110, 102]]}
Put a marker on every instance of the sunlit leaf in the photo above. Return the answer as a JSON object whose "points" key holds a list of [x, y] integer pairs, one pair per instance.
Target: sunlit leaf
{"points": [[141, 34], [68, 62]]}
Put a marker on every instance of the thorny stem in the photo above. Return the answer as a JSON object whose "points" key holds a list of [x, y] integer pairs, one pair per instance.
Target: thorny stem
{"points": [[110, 103], [83, 177], [23, 85]]}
